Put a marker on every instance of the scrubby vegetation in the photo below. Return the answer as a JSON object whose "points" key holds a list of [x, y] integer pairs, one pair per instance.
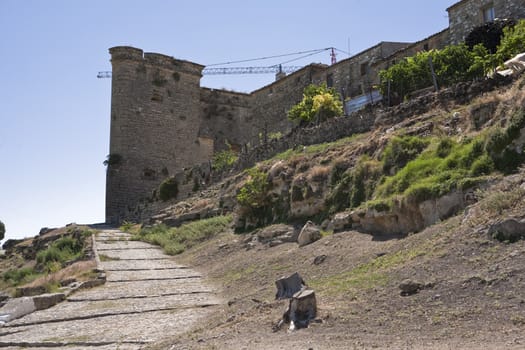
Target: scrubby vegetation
{"points": [[224, 159], [318, 104], [175, 240], [67, 250], [453, 64], [408, 169], [168, 189]]}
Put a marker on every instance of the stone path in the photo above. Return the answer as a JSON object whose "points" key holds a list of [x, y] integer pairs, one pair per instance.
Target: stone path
{"points": [[147, 297]]}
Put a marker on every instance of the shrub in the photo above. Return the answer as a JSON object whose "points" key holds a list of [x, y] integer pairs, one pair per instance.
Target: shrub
{"points": [[355, 186], [319, 103], [253, 193], [401, 150], [168, 189], [482, 166], [512, 42], [224, 159], [499, 145], [63, 250], [444, 166], [17, 277], [113, 159]]}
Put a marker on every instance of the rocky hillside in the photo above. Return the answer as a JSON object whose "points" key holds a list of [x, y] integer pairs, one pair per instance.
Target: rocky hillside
{"points": [[410, 171]]}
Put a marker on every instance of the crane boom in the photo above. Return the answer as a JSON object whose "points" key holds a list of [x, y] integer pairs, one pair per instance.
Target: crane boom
{"points": [[232, 70]]}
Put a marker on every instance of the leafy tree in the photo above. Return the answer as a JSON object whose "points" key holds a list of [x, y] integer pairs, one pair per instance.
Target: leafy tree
{"points": [[2, 230], [512, 42], [489, 35], [319, 103]]}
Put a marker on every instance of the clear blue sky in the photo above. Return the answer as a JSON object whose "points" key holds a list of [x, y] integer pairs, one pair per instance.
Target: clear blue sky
{"points": [[54, 131]]}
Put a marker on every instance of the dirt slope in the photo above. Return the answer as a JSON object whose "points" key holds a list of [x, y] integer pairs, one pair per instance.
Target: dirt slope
{"points": [[472, 296]]}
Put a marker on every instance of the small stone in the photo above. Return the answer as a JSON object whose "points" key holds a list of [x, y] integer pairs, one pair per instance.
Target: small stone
{"points": [[409, 287], [318, 260]]}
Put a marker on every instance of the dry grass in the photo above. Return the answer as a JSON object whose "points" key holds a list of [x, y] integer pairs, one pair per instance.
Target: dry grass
{"points": [[319, 173], [81, 271]]}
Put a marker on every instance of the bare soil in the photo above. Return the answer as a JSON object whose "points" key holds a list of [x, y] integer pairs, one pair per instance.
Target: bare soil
{"points": [[472, 295]]}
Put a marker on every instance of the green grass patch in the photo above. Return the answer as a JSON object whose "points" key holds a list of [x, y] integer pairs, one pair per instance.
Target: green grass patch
{"points": [[365, 276], [445, 165], [16, 277], [175, 240]]}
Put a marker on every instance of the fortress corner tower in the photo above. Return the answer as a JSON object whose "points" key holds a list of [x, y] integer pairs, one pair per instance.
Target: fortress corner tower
{"points": [[154, 125]]}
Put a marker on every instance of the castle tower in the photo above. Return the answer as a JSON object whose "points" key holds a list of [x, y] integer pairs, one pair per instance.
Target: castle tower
{"points": [[154, 125]]}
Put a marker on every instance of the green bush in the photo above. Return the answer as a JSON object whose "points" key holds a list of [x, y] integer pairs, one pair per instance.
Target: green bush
{"points": [[224, 159], [444, 166], [512, 42], [319, 103], [17, 277], [254, 192], [61, 251], [484, 165], [498, 145], [401, 150], [168, 189], [355, 186]]}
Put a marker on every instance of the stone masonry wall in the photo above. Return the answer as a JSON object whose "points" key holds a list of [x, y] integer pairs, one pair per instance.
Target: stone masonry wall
{"points": [[154, 124], [272, 102], [224, 118], [468, 14]]}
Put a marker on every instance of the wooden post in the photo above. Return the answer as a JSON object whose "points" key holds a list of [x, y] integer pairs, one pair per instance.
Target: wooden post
{"points": [[434, 78]]}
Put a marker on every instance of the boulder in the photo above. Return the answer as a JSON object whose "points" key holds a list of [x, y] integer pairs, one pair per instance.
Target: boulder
{"points": [[309, 234], [509, 230]]}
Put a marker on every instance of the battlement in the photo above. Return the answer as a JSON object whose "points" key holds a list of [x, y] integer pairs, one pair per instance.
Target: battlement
{"points": [[122, 53]]}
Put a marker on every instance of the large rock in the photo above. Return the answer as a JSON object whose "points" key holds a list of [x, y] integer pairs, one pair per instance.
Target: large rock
{"points": [[509, 230], [309, 234]]}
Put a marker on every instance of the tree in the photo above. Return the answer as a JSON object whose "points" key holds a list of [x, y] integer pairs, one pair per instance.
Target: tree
{"points": [[512, 42], [2, 230], [319, 103], [488, 34]]}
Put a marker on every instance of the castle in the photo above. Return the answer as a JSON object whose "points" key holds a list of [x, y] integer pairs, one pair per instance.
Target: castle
{"points": [[163, 121]]}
